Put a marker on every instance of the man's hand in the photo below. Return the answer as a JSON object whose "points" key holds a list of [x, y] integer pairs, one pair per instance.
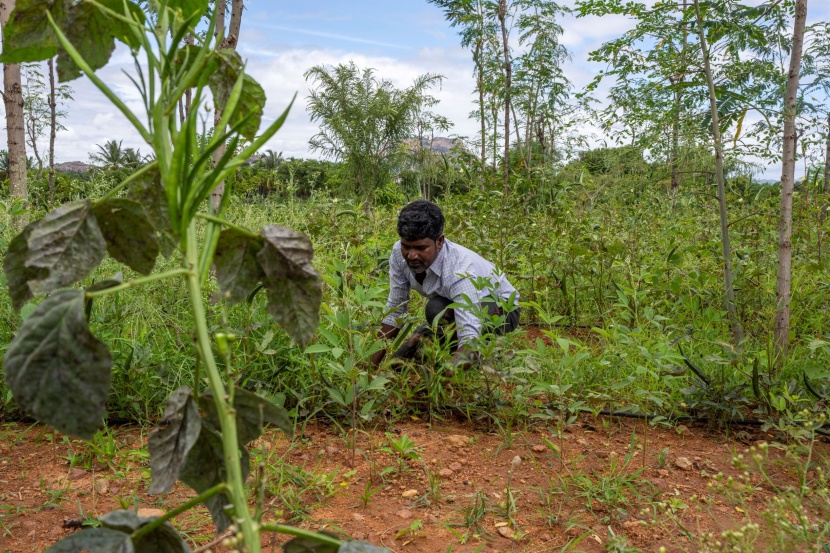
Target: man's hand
{"points": [[464, 358], [387, 332]]}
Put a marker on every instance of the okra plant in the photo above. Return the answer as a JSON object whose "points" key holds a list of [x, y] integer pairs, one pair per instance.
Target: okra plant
{"points": [[56, 368]]}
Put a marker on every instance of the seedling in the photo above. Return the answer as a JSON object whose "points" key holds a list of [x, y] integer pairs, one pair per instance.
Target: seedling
{"points": [[165, 206], [403, 448], [414, 531]]}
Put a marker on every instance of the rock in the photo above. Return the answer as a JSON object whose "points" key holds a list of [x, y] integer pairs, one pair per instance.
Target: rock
{"points": [[358, 517], [76, 474], [331, 450], [404, 514], [455, 466], [582, 441], [506, 532], [102, 485], [444, 473], [517, 460], [683, 463], [147, 512], [409, 493], [539, 449], [663, 473], [457, 440]]}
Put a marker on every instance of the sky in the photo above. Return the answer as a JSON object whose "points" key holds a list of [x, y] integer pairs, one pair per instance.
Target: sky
{"points": [[281, 39]]}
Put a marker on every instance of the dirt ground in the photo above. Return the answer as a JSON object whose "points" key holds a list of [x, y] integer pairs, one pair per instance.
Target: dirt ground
{"points": [[572, 491]]}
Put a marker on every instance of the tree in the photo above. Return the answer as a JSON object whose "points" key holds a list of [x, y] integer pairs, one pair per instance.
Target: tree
{"points": [[225, 40], [15, 125], [363, 119], [111, 155], [41, 109], [785, 225]]}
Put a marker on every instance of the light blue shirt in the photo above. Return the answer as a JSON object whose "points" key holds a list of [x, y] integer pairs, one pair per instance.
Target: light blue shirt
{"points": [[449, 276]]}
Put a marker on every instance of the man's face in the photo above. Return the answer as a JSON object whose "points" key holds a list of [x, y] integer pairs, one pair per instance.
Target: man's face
{"points": [[420, 254]]}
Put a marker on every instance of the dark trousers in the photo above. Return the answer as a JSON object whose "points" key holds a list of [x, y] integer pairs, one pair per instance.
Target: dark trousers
{"points": [[438, 306]]}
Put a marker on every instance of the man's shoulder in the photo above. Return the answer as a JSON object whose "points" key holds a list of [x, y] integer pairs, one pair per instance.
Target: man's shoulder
{"points": [[463, 255]]}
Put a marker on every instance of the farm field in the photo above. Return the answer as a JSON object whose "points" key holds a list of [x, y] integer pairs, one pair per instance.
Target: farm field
{"points": [[460, 489]]}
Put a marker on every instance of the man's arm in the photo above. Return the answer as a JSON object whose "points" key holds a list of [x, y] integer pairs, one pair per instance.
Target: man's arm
{"points": [[387, 332]]}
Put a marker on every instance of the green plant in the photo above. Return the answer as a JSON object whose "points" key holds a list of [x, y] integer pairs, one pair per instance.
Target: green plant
{"points": [[55, 367], [403, 448]]}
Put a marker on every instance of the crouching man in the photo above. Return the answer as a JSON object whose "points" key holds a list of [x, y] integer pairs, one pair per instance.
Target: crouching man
{"points": [[444, 272]]}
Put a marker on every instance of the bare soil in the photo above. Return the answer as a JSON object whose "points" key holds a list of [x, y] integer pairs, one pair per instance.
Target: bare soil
{"points": [[577, 489]]}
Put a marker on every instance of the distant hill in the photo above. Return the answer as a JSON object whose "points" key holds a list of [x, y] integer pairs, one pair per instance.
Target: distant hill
{"points": [[73, 167]]}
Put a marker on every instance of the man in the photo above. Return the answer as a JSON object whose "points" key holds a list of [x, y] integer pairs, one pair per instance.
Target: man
{"points": [[444, 272]]}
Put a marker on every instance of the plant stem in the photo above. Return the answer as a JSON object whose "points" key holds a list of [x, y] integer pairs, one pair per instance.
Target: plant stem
{"points": [[150, 526], [227, 224], [299, 532], [135, 282], [227, 415]]}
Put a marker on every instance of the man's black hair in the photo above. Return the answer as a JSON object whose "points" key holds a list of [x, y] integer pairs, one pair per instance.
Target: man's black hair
{"points": [[420, 219]]}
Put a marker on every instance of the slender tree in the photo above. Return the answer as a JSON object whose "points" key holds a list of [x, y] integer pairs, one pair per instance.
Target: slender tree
{"points": [[785, 246], [224, 41], [15, 125], [726, 249], [508, 73]]}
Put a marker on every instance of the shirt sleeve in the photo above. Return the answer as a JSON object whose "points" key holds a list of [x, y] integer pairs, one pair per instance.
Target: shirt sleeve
{"points": [[467, 323], [398, 302]]}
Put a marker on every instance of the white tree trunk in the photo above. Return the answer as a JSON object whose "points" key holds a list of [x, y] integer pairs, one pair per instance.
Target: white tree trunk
{"points": [[785, 224], [15, 124]]}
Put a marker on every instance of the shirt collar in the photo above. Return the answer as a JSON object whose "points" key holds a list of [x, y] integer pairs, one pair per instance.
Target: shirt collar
{"points": [[438, 264]]}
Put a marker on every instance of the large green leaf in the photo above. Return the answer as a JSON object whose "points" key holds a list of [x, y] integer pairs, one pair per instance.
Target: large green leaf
{"points": [[149, 192], [237, 268], [97, 540], [252, 99], [129, 234], [163, 539], [57, 370], [28, 36], [172, 441], [252, 412], [67, 243], [292, 284], [188, 7], [18, 274], [205, 468]]}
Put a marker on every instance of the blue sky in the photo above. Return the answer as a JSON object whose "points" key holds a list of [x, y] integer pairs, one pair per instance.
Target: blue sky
{"points": [[401, 39]]}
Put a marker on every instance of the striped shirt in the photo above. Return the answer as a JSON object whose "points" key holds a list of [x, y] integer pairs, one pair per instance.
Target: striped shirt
{"points": [[449, 276]]}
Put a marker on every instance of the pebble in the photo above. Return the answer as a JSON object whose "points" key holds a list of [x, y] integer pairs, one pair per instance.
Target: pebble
{"points": [[409, 493], [506, 532], [444, 473], [404, 514], [457, 440], [146, 512], [358, 517], [539, 448], [76, 474], [683, 463], [663, 472], [455, 466], [102, 485]]}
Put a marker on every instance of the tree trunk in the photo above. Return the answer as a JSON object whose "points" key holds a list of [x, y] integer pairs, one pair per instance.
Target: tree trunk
{"points": [[480, 85], [827, 159], [729, 290], [678, 100], [785, 224], [222, 42], [15, 125], [53, 127], [508, 71]]}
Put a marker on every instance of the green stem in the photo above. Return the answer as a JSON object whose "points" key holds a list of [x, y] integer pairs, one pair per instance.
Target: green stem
{"points": [[226, 223], [299, 532], [126, 182], [201, 498], [137, 281], [227, 415]]}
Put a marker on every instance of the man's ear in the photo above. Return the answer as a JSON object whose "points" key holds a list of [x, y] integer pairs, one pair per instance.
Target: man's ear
{"points": [[439, 242]]}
